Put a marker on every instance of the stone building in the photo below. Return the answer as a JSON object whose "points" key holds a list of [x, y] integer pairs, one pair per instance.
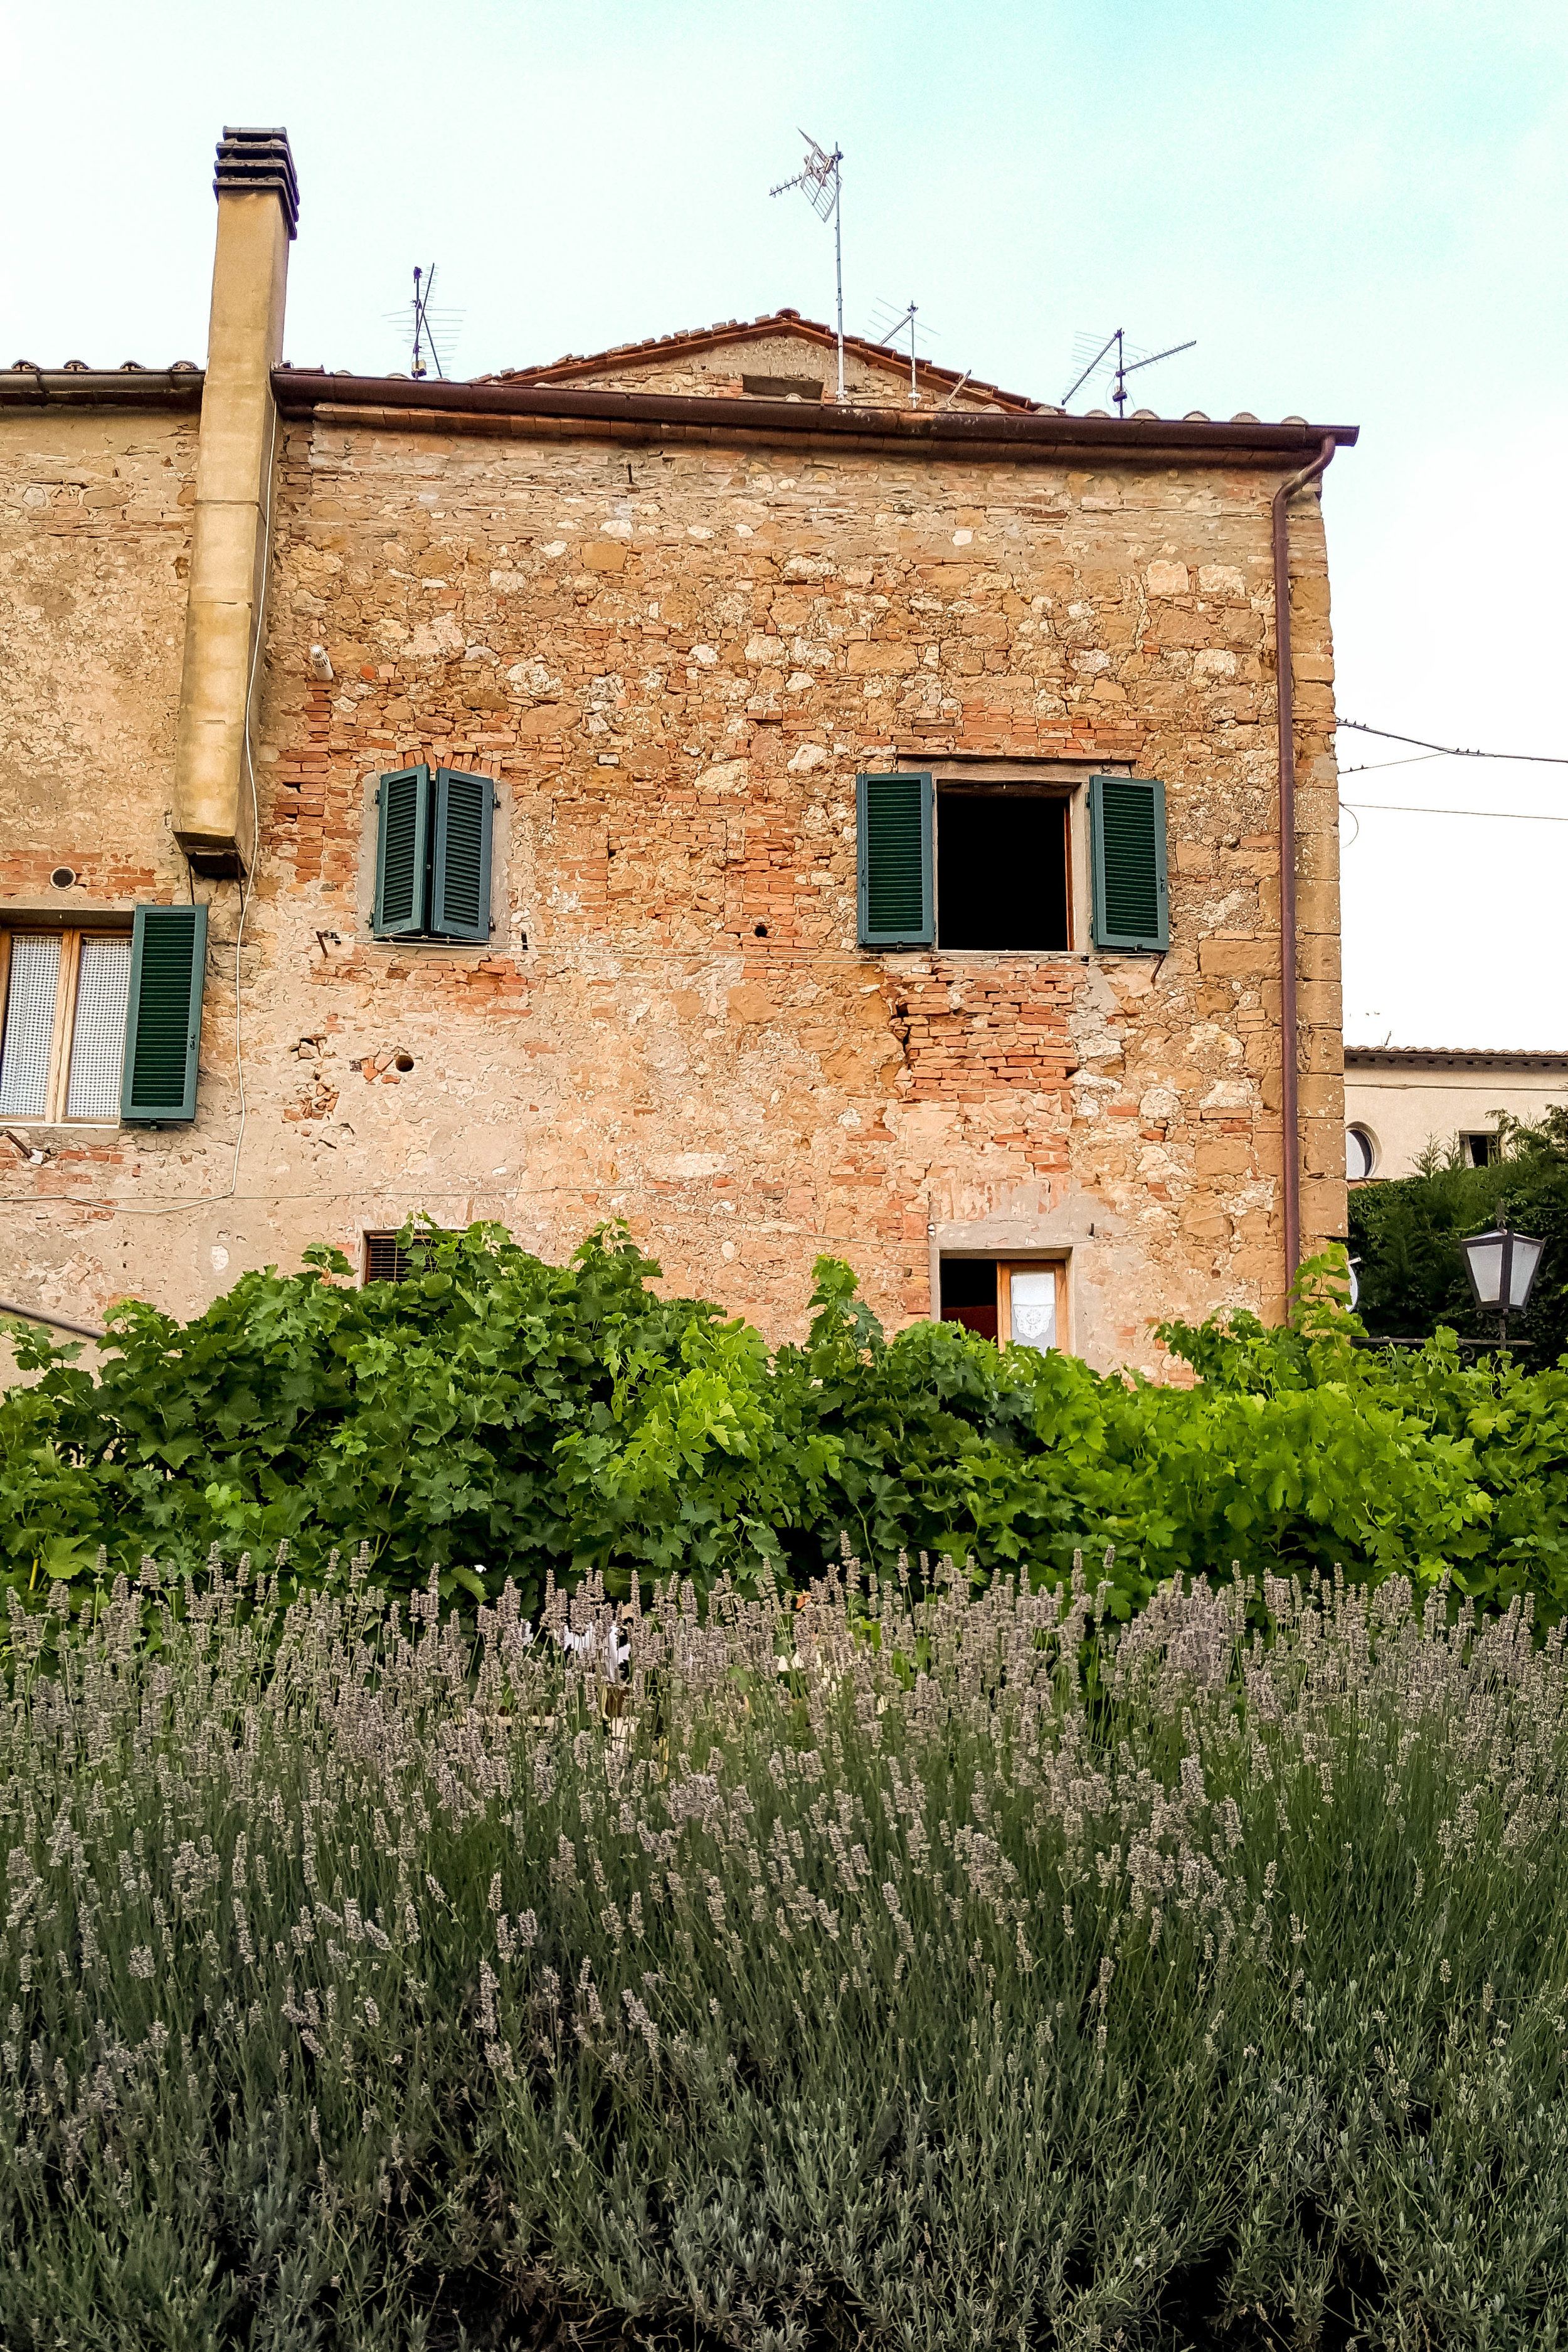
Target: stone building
{"points": [[645, 787]]}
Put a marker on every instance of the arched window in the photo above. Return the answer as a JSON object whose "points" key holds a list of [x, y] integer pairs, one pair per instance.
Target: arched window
{"points": [[1360, 1153]]}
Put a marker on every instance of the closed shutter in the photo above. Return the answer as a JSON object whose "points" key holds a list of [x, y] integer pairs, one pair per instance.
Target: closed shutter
{"points": [[402, 853], [460, 885], [893, 838], [1127, 838], [163, 1014]]}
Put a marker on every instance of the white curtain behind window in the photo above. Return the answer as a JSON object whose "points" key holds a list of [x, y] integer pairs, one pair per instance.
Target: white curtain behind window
{"points": [[29, 1024], [98, 1033], [1034, 1309]]}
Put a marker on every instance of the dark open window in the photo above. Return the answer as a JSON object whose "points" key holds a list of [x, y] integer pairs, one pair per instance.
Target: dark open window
{"points": [[969, 1294], [1001, 869]]}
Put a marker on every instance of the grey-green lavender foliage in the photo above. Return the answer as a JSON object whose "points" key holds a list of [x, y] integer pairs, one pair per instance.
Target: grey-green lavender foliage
{"points": [[844, 1973]]}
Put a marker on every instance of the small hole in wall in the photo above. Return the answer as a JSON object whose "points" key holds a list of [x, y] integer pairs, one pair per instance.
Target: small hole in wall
{"points": [[63, 878], [403, 1061], [761, 930]]}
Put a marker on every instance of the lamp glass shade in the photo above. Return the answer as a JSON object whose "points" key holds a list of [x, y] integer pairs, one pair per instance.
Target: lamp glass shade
{"points": [[1486, 1256], [1483, 1257], [1521, 1273]]}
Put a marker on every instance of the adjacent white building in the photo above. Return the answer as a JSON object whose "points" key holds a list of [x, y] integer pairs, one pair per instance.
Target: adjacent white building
{"points": [[1400, 1098]]}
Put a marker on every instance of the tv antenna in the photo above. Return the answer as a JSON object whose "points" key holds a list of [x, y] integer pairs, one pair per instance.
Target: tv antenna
{"points": [[431, 326], [821, 180], [1122, 367], [892, 323]]}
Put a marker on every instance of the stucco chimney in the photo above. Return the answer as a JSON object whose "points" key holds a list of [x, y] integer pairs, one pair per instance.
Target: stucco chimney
{"points": [[257, 212]]}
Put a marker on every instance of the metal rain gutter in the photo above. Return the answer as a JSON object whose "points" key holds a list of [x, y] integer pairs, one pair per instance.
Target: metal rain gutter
{"points": [[1290, 1045], [128, 387], [401, 401]]}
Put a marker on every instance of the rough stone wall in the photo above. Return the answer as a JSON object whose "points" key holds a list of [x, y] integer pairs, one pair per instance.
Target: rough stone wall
{"points": [[673, 662], [95, 518], [718, 372]]}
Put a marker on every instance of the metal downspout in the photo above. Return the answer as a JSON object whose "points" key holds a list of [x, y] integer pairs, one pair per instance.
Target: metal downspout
{"points": [[1289, 1104]]}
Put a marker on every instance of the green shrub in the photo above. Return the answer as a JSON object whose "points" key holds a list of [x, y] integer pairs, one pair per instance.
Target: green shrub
{"points": [[496, 1416], [1406, 1236], [846, 1974]]}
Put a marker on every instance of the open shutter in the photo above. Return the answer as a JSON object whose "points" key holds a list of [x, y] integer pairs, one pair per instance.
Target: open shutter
{"points": [[402, 852], [460, 887], [893, 841], [1127, 839], [163, 1014]]}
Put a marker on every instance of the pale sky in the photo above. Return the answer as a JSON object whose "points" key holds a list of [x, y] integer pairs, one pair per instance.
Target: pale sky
{"points": [[1359, 210]]}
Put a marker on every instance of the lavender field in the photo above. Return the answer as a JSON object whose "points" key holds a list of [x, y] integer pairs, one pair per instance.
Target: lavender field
{"points": [[828, 1971]]}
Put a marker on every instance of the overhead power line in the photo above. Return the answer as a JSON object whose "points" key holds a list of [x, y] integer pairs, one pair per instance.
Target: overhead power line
{"points": [[1456, 750], [1412, 808]]}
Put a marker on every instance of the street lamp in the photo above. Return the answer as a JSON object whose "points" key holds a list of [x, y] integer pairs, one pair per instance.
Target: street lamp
{"points": [[1501, 1266]]}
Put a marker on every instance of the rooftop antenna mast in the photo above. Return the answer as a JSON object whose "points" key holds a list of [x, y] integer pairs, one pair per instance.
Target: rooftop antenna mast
{"points": [[432, 328], [891, 324], [423, 336], [1123, 367], [821, 180]]}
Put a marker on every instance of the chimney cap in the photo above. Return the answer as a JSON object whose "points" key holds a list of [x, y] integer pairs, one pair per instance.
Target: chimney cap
{"points": [[250, 159]]}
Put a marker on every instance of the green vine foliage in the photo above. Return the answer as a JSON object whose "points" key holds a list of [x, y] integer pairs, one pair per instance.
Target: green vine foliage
{"points": [[497, 1416]]}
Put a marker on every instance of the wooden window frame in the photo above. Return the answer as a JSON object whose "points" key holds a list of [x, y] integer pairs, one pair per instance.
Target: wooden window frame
{"points": [[1006, 1268], [56, 1086]]}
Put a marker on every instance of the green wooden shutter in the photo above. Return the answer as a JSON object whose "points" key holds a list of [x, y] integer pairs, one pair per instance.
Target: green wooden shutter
{"points": [[402, 853], [163, 1014], [460, 888], [1127, 841], [893, 841]]}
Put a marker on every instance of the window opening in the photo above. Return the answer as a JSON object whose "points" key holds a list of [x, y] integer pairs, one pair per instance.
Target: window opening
{"points": [[969, 1294], [385, 1260], [1359, 1154], [1002, 879], [98, 1031], [63, 999], [1017, 1303], [27, 1049], [1479, 1148], [783, 388], [433, 855]]}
